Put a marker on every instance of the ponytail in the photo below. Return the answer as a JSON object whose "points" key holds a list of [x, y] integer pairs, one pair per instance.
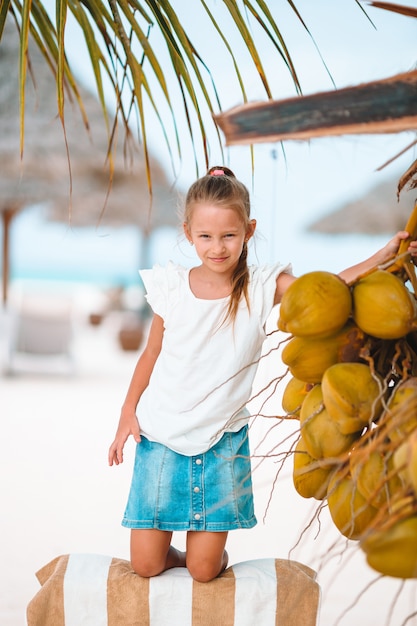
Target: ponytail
{"points": [[240, 282]]}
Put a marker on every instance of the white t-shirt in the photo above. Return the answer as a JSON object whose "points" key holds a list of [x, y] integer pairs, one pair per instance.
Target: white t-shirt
{"points": [[203, 376]]}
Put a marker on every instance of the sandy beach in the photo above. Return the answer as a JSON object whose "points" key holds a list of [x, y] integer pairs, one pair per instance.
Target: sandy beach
{"points": [[59, 496]]}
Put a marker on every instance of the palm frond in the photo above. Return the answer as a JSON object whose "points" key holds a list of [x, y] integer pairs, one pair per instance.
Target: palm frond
{"points": [[123, 39], [4, 9], [61, 7], [96, 56], [277, 41], [297, 13]]}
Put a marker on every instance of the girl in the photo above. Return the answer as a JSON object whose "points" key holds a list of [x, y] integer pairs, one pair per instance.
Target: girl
{"points": [[192, 381]]}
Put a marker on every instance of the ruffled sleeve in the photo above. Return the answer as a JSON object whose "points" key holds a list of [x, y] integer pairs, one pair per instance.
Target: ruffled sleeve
{"points": [[161, 286], [262, 287]]}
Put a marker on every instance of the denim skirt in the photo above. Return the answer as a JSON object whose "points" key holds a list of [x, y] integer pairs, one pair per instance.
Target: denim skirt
{"points": [[210, 491]]}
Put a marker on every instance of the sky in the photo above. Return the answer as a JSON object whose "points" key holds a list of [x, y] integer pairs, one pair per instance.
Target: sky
{"points": [[293, 183]]}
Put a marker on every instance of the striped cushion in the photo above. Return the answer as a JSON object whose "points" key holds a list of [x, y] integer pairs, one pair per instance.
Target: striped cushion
{"points": [[96, 590]]}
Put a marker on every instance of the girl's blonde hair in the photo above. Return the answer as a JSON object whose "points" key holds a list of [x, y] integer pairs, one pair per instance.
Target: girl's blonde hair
{"points": [[220, 187]]}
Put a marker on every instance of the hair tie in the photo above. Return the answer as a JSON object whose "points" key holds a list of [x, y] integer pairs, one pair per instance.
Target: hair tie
{"points": [[220, 170]]}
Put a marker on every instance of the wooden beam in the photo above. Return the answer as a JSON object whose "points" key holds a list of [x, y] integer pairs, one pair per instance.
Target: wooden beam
{"points": [[384, 106]]}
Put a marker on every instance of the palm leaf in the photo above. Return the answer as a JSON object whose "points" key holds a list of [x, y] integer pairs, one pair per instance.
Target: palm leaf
{"points": [[96, 56], [144, 42], [182, 52], [142, 82], [118, 36], [61, 17], [279, 45], [138, 78], [230, 51], [247, 38], [294, 8], [4, 8], [44, 34], [24, 42]]}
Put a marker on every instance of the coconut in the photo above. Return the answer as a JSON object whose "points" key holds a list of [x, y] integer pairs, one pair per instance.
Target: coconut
{"points": [[316, 303], [309, 357], [374, 476], [400, 417], [293, 396], [392, 551], [322, 437], [310, 476], [383, 306], [351, 513], [352, 395]]}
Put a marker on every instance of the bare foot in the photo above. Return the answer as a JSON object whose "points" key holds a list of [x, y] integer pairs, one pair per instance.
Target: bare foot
{"points": [[175, 558], [224, 561]]}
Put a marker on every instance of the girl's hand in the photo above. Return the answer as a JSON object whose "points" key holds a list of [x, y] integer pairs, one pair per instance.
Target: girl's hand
{"points": [[128, 425], [391, 248], [388, 252], [412, 249]]}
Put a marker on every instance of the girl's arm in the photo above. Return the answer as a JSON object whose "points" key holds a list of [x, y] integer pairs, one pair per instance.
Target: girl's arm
{"points": [[351, 273], [128, 423], [379, 258], [284, 280]]}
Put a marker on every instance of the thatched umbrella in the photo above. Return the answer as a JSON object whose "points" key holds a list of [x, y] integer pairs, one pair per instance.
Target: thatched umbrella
{"points": [[43, 173], [376, 211]]}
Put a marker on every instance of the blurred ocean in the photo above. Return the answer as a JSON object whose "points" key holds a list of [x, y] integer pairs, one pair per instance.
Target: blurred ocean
{"points": [[56, 257], [51, 251], [41, 251]]}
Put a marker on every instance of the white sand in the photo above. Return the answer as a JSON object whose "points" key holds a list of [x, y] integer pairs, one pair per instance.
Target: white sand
{"points": [[59, 496]]}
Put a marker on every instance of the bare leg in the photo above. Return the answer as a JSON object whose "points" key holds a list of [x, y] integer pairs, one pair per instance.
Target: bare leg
{"points": [[151, 552], [206, 557]]}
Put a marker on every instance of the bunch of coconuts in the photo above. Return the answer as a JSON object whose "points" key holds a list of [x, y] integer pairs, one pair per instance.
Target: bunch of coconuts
{"points": [[352, 357]]}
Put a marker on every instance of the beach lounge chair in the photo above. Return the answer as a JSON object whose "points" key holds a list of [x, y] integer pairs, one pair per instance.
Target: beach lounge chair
{"points": [[40, 335]]}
